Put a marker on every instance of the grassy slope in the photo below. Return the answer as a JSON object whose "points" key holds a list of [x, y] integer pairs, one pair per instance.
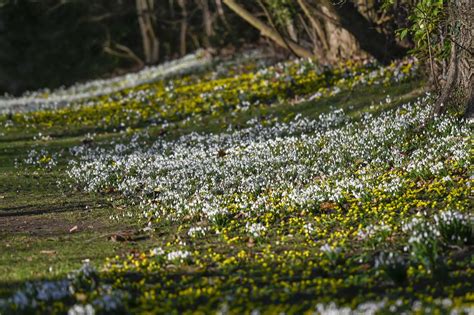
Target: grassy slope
{"points": [[36, 214]]}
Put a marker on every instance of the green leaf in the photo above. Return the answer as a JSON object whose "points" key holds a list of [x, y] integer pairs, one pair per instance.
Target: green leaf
{"points": [[403, 33]]}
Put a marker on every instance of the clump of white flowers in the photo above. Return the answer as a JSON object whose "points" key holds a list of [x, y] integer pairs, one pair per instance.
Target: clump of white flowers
{"points": [[373, 230], [374, 235], [426, 238], [399, 306], [157, 251], [79, 309], [423, 241], [331, 252], [454, 227], [178, 256], [394, 266], [255, 229], [308, 228], [42, 159], [61, 97], [197, 231], [217, 215]]}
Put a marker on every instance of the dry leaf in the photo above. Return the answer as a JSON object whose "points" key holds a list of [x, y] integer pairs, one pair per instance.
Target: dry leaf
{"points": [[120, 237]]}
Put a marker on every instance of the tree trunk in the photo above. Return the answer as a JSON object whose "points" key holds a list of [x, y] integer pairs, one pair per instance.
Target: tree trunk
{"points": [[291, 29], [317, 26], [342, 44], [268, 31], [146, 20], [183, 27], [207, 21], [458, 89], [220, 12], [346, 15]]}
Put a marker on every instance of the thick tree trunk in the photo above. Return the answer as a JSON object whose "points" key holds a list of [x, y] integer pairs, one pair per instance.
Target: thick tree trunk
{"points": [[377, 44], [458, 89], [342, 44]]}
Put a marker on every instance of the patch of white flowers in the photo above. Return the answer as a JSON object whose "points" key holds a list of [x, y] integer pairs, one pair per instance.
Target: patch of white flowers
{"points": [[384, 306], [420, 231], [157, 251], [255, 229], [425, 238], [46, 99], [27, 299], [197, 231], [178, 255], [454, 227], [302, 162], [79, 309], [373, 230], [41, 158], [328, 249]]}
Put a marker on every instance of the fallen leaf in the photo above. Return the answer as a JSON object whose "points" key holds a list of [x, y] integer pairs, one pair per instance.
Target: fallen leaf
{"points": [[327, 205], [250, 242], [81, 297], [120, 237]]}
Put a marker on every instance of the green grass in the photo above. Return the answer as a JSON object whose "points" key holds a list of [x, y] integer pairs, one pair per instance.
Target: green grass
{"points": [[36, 217]]}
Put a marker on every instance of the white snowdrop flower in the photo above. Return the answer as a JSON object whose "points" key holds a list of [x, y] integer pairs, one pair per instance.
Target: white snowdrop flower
{"points": [[20, 300], [178, 255], [326, 248], [308, 227], [255, 229], [202, 175], [81, 310], [82, 92], [157, 251], [197, 231]]}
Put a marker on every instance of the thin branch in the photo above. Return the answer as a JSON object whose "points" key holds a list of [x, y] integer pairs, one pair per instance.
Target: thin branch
{"points": [[272, 24]]}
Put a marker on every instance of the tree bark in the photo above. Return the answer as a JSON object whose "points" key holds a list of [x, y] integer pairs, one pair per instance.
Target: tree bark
{"points": [[370, 40], [207, 21], [458, 89], [342, 44], [183, 27], [146, 21], [315, 23], [220, 12], [122, 51], [268, 31]]}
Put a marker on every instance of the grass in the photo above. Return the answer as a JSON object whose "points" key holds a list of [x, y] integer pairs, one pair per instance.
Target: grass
{"points": [[48, 229]]}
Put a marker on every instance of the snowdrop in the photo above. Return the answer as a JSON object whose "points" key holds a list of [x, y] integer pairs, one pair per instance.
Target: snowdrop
{"points": [[178, 255], [255, 229]]}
